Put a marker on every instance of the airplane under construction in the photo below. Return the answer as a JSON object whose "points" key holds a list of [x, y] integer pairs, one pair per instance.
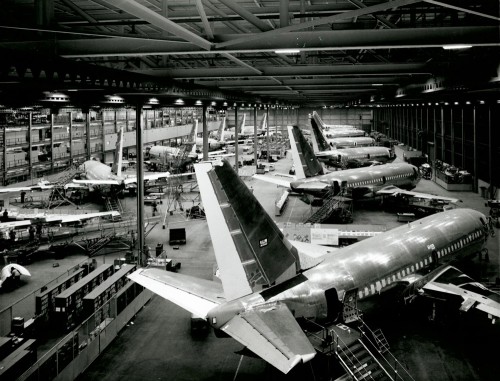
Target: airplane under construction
{"points": [[357, 182], [347, 157], [266, 285]]}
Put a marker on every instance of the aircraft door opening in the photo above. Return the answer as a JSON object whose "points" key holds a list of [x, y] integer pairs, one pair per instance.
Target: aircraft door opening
{"points": [[334, 307]]}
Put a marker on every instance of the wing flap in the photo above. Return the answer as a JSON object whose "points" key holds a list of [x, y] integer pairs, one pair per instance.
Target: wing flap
{"points": [[452, 282], [271, 332], [195, 295]]}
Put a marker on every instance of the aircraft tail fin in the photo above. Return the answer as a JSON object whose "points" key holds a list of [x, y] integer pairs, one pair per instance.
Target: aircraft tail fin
{"points": [[318, 120], [242, 124], [250, 250], [117, 162], [319, 136], [306, 163], [192, 137], [263, 123], [222, 129]]}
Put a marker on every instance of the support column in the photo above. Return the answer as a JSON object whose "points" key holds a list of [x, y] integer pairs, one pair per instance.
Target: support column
{"points": [[205, 133], [490, 154], [140, 185], [255, 145], [51, 141], [452, 135], [236, 145], [30, 126], [475, 147], [87, 132], [442, 134], [71, 138], [268, 127]]}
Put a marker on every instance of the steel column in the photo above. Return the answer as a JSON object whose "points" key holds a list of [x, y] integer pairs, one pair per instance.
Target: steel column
{"points": [[140, 185]]}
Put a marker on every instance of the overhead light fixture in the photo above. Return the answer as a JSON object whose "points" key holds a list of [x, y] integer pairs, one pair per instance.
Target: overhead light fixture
{"points": [[377, 84], [287, 51], [456, 46], [179, 102], [198, 103]]}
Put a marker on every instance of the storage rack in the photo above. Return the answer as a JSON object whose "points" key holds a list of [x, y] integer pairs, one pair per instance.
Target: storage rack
{"points": [[100, 295], [16, 363], [126, 294], [44, 303], [69, 304]]}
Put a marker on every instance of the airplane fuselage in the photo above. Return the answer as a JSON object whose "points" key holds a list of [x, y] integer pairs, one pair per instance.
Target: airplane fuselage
{"points": [[340, 157], [344, 133], [95, 170], [163, 154], [360, 181], [213, 145], [349, 142], [402, 257]]}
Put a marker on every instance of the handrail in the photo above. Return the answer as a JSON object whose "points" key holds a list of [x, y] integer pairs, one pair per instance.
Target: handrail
{"points": [[396, 361]]}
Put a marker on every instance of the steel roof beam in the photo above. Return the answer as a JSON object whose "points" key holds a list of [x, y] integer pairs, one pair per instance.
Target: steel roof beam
{"points": [[291, 71], [310, 40], [159, 21], [246, 15], [322, 21]]}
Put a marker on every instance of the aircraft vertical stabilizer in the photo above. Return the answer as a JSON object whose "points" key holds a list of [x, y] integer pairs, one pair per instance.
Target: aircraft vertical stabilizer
{"points": [[320, 136], [221, 131], [250, 249], [242, 124], [306, 164], [117, 163], [263, 123], [194, 134]]}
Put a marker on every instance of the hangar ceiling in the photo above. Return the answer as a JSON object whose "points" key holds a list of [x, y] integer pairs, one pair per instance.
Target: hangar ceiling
{"points": [[346, 51]]}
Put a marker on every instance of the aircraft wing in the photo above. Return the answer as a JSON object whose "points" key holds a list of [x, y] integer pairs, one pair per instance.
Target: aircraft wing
{"points": [[97, 182], [13, 225], [39, 187], [272, 333], [67, 218], [393, 190], [195, 295], [156, 176], [273, 180], [451, 283]]}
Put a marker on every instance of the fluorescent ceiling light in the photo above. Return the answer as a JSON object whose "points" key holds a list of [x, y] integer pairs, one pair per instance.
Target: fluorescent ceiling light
{"points": [[287, 51], [456, 46], [377, 84]]}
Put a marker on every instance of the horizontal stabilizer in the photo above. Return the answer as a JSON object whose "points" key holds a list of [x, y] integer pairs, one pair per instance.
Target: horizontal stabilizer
{"points": [[273, 180], [195, 295], [271, 332], [311, 254]]}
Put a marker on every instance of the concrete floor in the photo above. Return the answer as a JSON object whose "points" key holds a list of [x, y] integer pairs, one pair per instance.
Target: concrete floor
{"points": [[159, 345]]}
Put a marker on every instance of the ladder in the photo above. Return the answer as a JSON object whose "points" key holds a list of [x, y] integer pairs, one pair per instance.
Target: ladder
{"points": [[112, 203]]}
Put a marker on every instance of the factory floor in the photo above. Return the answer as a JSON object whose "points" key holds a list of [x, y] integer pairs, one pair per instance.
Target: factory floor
{"points": [[158, 344]]}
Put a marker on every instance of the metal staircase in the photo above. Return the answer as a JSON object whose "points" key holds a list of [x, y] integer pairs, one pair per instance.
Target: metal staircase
{"points": [[362, 353], [58, 194], [112, 203], [333, 205]]}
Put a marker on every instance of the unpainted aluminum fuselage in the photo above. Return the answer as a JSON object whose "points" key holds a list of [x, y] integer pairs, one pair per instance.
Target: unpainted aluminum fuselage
{"points": [[365, 268], [402, 175]]}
